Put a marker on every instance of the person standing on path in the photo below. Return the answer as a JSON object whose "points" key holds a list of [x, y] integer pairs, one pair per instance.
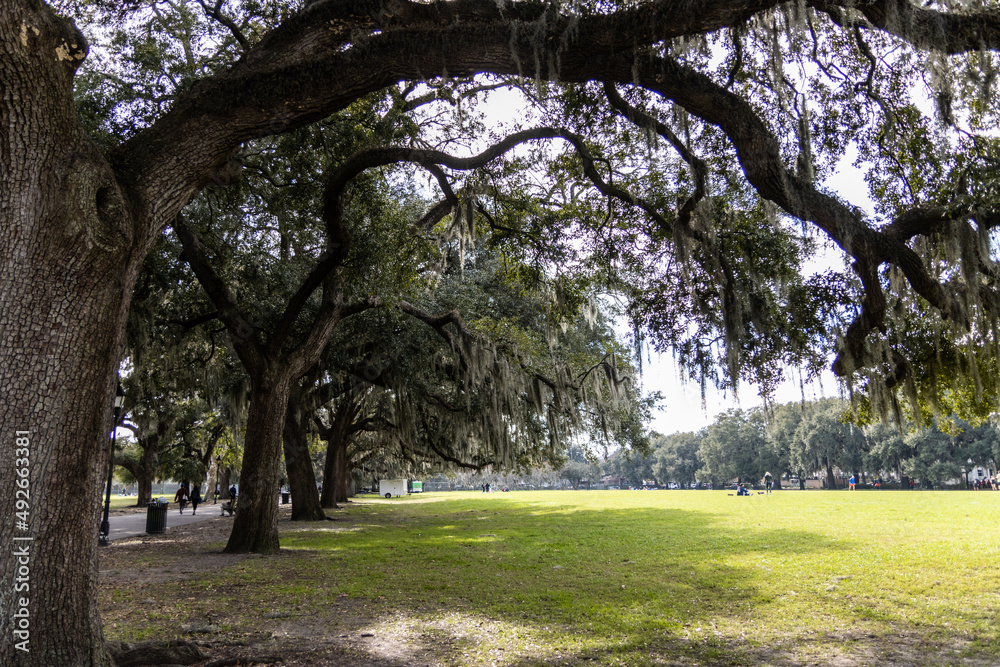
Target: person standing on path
{"points": [[768, 482], [195, 499]]}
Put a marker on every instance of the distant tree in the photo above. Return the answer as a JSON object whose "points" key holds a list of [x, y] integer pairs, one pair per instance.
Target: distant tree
{"points": [[825, 440], [675, 457], [633, 466], [576, 471], [735, 446], [888, 449], [979, 444], [781, 433], [933, 460]]}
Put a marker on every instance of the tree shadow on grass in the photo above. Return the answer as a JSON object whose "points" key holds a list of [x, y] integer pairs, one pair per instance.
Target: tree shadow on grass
{"points": [[522, 584], [581, 584]]}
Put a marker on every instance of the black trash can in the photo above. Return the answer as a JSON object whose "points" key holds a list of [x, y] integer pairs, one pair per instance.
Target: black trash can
{"points": [[285, 497], [156, 518]]}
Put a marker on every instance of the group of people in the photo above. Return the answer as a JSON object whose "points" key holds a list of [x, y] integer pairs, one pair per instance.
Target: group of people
{"points": [[741, 490], [988, 483], [183, 496]]}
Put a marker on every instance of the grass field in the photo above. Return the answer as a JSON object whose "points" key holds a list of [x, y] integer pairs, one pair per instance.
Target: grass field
{"points": [[614, 578]]}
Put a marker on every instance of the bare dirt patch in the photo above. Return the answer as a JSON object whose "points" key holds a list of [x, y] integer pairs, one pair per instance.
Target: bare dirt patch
{"points": [[162, 578]]}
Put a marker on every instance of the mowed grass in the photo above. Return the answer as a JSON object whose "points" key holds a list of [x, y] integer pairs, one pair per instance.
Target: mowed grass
{"points": [[127, 502], [652, 577]]}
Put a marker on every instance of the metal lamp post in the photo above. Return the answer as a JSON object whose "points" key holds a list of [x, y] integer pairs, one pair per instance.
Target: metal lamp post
{"points": [[218, 479], [104, 536]]}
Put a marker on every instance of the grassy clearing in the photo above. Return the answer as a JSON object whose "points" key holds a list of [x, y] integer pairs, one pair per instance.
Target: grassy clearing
{"points": [[619, 577], [119, 502]]}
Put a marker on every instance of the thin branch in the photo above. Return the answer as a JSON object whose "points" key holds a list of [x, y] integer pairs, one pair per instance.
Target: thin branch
{"points": [[438, 322], [216, 13], [245, 337]]}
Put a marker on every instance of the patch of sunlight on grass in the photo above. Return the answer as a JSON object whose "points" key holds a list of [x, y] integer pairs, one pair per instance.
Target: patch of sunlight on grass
{"points": [[648, 578]]}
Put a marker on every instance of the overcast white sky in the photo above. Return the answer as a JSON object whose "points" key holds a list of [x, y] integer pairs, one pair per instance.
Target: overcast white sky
{"points": [[682, 405]]}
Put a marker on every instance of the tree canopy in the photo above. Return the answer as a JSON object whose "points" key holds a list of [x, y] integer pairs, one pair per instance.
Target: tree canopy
{"points": [[680, 151]]}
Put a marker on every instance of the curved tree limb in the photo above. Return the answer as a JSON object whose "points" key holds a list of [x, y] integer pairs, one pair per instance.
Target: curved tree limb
{"points": [[246, 338], [283, 83], [439, 322], [758, 151], [215, 12], [950, 32]]}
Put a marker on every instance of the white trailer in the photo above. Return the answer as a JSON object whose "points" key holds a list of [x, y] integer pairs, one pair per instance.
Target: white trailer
{"points": [[392, 487]]}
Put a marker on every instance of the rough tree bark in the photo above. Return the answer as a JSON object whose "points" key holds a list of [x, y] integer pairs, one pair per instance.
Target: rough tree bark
{"points": [[298, 465], [335, 466], [255, 527], [68, 261]]}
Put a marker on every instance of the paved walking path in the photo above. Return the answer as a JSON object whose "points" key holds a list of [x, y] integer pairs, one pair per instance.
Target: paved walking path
{"points": [[130, 525]]}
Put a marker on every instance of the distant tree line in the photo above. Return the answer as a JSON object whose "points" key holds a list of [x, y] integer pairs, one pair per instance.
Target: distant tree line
{"points": [[813, 440], [796, 441]]}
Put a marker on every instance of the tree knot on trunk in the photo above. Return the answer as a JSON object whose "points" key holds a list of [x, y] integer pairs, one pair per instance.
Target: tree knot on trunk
{"points": [[99, 209]]}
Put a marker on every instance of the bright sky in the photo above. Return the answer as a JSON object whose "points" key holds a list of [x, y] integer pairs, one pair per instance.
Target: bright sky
{"points": [[682, 407]]}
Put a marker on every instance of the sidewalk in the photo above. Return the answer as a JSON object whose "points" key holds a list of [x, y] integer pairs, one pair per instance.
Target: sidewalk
{"points": [[130, 525]]}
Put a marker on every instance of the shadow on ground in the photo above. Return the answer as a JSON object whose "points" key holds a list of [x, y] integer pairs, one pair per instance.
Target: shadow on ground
{"points": [[511, 584]]}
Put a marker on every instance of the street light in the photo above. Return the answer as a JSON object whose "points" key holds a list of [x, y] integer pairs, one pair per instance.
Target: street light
{"points": [[103, 538], [218, 476]]}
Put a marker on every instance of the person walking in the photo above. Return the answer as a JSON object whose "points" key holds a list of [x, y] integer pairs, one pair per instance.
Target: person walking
{"points": [[181, 497], [195, 499], [768, 482], [850, 483]]}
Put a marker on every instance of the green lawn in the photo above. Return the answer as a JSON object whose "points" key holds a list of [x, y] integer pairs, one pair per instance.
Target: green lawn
{"points": [[121, 502], [650, 577]]}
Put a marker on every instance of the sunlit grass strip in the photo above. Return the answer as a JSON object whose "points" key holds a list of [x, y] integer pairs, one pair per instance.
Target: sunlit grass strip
{"points": [[594, 569], [644, 578]]}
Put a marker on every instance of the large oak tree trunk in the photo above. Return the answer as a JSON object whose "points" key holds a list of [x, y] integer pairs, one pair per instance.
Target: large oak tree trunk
{"points": [[67, 268], [255, 528], [144, 477], [66, 460], [335, 465], [301, 476], [342, 473], [831, 479]]}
